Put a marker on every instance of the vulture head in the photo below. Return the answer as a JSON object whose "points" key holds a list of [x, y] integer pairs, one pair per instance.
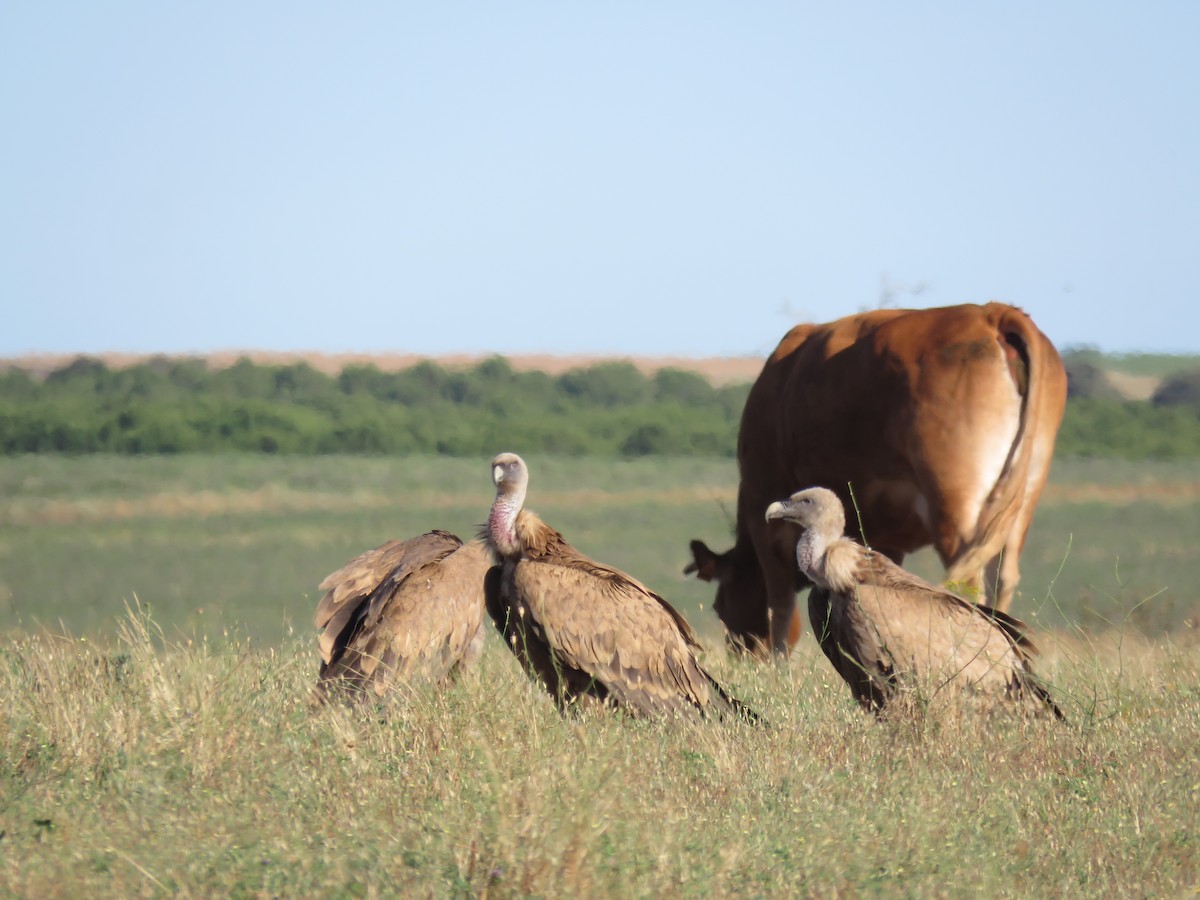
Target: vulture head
{"points": [[510, 475], [814, 508], [819, 513]]}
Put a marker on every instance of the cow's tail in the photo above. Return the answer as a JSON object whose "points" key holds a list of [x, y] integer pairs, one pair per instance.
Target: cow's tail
{"points": [[1038, 374]]}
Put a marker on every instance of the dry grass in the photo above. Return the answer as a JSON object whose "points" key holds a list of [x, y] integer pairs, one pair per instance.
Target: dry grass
{"points": [[144, 768], [273, 500], [136, 765]]}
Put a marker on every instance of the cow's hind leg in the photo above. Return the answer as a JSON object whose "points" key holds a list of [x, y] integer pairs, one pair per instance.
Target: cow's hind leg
{"points": [[781, 602], [1003, 574]]}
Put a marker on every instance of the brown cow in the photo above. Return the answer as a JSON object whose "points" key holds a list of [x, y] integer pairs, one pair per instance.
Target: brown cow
{"points": [[933, 426]]}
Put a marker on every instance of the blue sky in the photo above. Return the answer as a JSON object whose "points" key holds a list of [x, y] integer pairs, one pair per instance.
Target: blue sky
{"points": [[644, 178]]}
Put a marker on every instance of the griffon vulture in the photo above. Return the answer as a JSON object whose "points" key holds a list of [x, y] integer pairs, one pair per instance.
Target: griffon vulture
{"points": [[589, 632], [406, 611], [889, 633]]}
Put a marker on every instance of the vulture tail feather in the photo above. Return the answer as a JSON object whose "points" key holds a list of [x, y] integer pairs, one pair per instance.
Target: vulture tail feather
{"points": [[1017, 632], [1012, 626], [1034, 685], [730, 704]]}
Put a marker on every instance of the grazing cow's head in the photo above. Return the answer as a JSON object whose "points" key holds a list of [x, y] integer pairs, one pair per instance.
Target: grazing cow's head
{"points": [[741, 601]]}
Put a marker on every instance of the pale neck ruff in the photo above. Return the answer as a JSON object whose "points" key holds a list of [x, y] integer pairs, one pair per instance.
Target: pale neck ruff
{"points": [[810, 556]]}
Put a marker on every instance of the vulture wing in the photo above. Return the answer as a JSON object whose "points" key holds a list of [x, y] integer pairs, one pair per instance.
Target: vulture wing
{"points": [[527, 639], [846, 640], [342, 608], [612, 630], [420, 623], [903, 629]]}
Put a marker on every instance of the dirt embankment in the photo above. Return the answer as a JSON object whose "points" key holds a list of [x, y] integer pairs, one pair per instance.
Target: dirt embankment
{"points": [[1133, 387], [720, 370]]}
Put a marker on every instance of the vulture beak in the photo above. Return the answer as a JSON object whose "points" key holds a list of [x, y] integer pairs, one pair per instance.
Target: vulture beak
{"points": [[497, 475], [778, 510]]}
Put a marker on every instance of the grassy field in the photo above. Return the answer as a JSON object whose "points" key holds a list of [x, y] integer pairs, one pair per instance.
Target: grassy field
{"points": [[174, 750], [209, 543]]}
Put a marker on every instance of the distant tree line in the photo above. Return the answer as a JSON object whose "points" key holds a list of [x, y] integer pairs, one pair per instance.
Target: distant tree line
{"points": [[182, 406], [609, 409]]}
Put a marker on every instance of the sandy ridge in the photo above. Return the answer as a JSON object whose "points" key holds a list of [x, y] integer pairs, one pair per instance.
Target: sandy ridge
{"points": [[719, 370]]}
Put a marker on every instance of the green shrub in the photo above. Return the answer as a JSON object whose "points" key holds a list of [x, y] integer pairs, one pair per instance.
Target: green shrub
{"points": [[1182, 389], [610, 409]]}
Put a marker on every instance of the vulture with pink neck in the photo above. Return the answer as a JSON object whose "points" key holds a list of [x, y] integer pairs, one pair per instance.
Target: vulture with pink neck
{"points": [[589, 632]]}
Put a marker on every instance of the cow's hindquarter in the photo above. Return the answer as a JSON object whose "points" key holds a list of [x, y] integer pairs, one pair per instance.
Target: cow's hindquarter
{"points": [[1045, 401], [981, 447], [963, 426]]}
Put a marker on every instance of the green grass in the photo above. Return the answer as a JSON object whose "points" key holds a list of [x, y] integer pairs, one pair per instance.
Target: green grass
{"points": [[208, 542], [212, 542]]}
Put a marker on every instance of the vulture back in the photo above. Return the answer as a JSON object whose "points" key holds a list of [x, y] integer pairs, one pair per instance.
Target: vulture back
{"points": [[420, 622]]}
